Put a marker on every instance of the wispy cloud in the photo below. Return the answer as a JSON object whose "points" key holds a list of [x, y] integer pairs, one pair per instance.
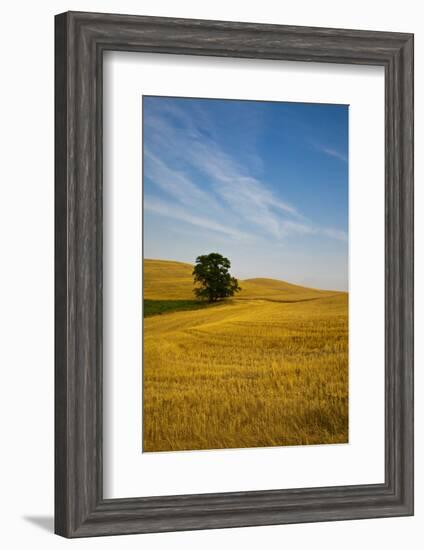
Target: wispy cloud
{"points": [[180, 156], [172, 181], [171, 210], [331, 152], [335, 234], [248, 198]]}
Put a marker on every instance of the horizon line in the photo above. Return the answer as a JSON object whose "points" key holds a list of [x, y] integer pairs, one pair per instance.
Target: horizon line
{"points": [[250, 278]]}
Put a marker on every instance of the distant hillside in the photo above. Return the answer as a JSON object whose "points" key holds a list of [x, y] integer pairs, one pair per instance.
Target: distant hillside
{"points": [[273, 289], [169, 280]]}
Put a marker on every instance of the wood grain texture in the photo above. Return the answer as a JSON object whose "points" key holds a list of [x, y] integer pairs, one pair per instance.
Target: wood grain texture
{"points": [[80, 509]]}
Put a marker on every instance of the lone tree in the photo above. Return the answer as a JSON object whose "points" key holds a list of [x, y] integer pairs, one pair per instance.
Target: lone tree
{"points": [[211, 272]]}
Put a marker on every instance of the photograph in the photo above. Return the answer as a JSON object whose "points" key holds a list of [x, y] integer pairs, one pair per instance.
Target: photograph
{"points": [[208, 265], [245, 274]]}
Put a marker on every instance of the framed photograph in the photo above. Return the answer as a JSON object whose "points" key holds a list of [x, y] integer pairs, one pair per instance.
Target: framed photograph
{"points": [[234, 274]]}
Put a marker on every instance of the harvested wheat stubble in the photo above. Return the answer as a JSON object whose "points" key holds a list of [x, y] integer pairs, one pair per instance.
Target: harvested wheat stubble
{"points": [[267, 368]]}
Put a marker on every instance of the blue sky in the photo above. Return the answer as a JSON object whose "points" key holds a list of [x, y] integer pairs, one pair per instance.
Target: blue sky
{"points": [[263, 183]]}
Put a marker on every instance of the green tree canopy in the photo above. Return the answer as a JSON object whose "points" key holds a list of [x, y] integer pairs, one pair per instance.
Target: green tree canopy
{"points": [[211, 273]]}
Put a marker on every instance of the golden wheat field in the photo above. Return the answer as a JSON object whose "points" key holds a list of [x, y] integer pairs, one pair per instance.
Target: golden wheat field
{"points": [[266, 368]]}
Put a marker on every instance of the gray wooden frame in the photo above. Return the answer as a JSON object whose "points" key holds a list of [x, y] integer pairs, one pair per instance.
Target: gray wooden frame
{"points": [[80, 40]]}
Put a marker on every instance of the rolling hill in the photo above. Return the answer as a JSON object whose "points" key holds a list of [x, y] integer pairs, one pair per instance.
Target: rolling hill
{"points": [[169, 280], [266, 368]]}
